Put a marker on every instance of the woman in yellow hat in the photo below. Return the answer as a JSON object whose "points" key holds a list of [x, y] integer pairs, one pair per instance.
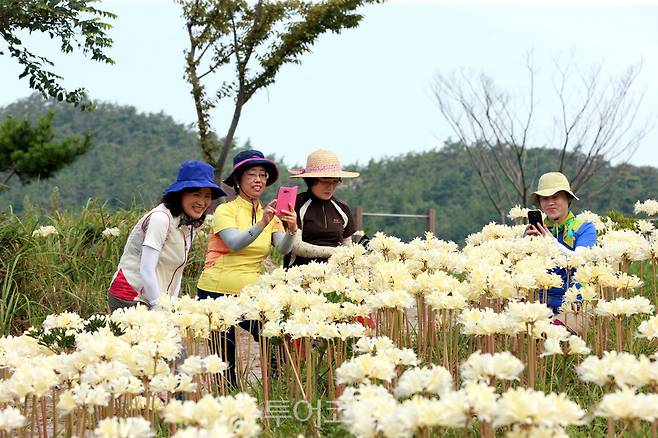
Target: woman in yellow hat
{"points": [[554, 197], [324, 222]]}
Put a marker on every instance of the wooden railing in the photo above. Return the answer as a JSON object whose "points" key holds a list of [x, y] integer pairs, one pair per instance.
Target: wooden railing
{"points": [[430, 218]]}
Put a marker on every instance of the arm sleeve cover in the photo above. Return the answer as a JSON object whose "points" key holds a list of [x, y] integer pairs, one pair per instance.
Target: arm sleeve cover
{"points": [[237, 240], [308, 250], [282, 241], [147, 265]]}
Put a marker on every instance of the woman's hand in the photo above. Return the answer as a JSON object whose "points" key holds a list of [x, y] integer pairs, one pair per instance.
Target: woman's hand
{"points": [[290, 217], [268, 214], [537, 230], [530, 230]]}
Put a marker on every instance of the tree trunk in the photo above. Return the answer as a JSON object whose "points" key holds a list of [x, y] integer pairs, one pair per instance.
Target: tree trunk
{"points": [[228, 140], [205, 141], [9, 175]]}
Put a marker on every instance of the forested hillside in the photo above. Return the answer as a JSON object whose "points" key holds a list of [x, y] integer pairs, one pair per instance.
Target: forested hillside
{"points": [[444, 179], [134, 156]]}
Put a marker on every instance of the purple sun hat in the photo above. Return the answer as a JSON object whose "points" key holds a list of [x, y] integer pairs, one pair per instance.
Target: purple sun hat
{"points": [[251, 158]]}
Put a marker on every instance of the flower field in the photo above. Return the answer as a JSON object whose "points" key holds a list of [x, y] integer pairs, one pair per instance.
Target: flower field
{"points": [[423, 339]]}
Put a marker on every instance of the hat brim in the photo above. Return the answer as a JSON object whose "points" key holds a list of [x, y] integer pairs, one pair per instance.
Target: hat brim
{"points": [[534, 196], [178, 186], [269, 165], [329, 174]]}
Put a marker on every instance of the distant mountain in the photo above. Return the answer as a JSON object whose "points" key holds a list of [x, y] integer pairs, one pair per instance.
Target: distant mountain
{"points": [[134, 156], [444, 179]]}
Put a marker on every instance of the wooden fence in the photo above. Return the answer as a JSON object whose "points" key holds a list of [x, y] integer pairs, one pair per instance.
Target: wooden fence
{"points": [[430, 218]]}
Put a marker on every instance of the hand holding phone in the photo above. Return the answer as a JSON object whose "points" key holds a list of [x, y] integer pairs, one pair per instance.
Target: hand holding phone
{"points": [[286, 199], [535, 218]]}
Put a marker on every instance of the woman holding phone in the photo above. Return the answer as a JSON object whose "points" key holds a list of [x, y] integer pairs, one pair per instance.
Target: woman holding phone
{"points": [[324, 222], [243, 231], [554, 197]]}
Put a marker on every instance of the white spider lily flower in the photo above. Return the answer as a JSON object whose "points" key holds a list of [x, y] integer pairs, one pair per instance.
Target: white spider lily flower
{"points": [[45, 231], [534, 408], [624, 307], [10, 419], [649, 328], [111, 232], [518, 212], [131, 427], [482, 367], [648, 207]]}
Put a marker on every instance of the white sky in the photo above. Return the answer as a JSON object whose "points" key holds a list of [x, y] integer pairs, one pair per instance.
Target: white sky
{"points": [[367, 92]]}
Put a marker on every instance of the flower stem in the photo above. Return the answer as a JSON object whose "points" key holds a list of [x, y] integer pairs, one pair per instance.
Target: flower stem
{"points": [[294, 370]]}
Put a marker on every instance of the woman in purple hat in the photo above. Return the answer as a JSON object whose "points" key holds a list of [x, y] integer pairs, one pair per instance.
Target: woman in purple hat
{"points": [[158, 245], [243, 232]]}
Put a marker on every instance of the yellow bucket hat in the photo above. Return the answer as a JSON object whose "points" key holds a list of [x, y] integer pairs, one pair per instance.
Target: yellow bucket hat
{"points": [[322, 164], [549, 184]]}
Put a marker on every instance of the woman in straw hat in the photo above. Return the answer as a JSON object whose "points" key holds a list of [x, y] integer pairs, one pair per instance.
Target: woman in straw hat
{"points": [[324, 222], [554, 197], [158, 245], [243, 231]]}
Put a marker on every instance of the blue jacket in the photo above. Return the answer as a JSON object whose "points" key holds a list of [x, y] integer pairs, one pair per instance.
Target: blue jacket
{"points": [[585, 236]]}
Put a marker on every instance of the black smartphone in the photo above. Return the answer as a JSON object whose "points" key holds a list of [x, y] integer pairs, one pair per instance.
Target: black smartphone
{"points": [[535, 217], [363, 241]]}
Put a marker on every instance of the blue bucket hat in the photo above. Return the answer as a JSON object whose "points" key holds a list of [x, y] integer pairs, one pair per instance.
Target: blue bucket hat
{"points": [[251, 158], [196, 175]]}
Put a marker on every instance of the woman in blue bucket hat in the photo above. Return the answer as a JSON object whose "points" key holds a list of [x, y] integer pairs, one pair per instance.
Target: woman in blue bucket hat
{"points": [[157, 248]]}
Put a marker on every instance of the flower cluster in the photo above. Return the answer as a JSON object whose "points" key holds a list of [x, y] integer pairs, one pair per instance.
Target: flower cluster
{"points": [[45, 231], [624, 306], [627, 404], [10, 419], [111, 232], [483, 367], [131, 427], [324, 325], [377, 365], [518, 212], [525, 406], [619, 368], [648, 207], [227, 416]]}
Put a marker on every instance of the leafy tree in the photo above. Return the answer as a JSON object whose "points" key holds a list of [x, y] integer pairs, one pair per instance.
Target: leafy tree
{"points": [[74, 23], [254, 39], [31, 152]]}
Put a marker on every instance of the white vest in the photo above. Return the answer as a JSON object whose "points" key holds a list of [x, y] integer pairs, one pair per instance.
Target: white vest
{"points": [[172, 241]]}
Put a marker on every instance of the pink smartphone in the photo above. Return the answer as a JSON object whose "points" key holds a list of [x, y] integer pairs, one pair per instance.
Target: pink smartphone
{"points": [[286, 199]]}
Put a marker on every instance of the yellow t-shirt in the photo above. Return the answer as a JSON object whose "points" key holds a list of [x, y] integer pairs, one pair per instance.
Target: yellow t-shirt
{"points": [[229, 272]]}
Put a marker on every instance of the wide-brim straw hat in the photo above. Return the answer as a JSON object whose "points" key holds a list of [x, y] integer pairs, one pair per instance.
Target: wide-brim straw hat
{"points": [[549, 184], [322, 163]]}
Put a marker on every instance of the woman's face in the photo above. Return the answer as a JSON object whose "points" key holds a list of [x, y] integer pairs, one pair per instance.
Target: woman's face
{"points": [[197, 202], [253, 181], [324, 188], [556, 206]]}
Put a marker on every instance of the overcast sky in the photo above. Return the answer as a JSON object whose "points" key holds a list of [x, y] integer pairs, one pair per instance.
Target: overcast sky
{"points": [[367, 92]]}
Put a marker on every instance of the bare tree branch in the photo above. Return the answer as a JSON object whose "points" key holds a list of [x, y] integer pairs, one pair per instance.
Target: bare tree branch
{"points": [[596, 121]]}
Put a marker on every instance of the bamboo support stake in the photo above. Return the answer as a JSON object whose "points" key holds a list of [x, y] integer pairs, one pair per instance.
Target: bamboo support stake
{"points": [[264, 368], [299, 382]]}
